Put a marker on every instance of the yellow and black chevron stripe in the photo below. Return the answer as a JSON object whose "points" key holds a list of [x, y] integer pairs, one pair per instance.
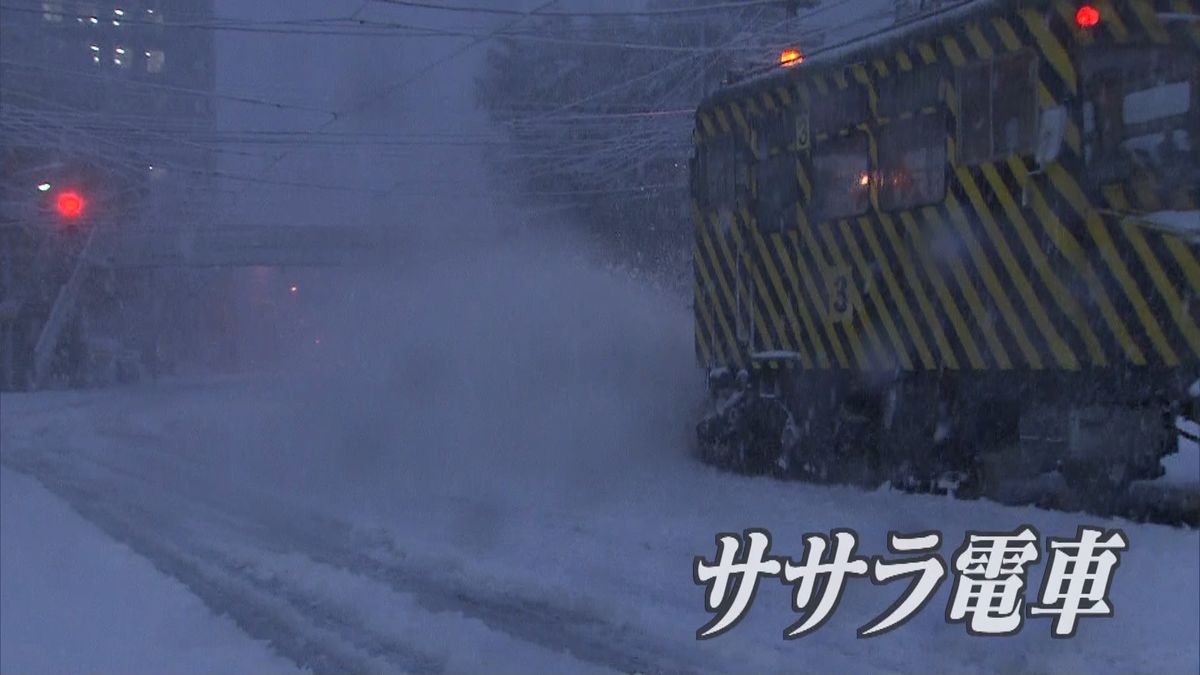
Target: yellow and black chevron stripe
{"points": [[1020, 267]]}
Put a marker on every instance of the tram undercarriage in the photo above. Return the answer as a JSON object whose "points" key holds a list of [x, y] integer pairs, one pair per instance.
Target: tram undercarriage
{"points": [[1050, 441]]}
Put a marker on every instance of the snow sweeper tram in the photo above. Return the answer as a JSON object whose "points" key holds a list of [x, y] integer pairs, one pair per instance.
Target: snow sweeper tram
{"points": [[963, 255]]}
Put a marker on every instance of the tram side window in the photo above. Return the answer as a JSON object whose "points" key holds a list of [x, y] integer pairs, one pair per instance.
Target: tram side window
{"points": [[777, 132], [778, 192], [1140, 110], [1014, 104], [841, 178], [975, 113], [910, 91], [838, 109], [912, 162], [997, 108], [719, 173]]}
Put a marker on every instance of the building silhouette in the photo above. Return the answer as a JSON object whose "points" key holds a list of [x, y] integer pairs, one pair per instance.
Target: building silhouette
{"points": [[112, 102]]}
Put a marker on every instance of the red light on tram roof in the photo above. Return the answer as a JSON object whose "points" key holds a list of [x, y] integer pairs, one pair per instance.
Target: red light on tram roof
{"points": [[69, 204], [790, 57], [1087, 16]]}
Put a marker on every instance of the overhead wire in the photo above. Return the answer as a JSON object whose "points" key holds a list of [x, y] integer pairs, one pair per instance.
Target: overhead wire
{"points": [[636, 191], [160, 86], [565, 114], [671, 11], [622, 154], [354, 27]]}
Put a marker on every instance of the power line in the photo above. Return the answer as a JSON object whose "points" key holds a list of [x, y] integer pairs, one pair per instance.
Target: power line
{"points": [[146, 159], [392, 88], [568, 114], [673, 11], [288, 27], [355, 27], [537, 37], [80, 74]]}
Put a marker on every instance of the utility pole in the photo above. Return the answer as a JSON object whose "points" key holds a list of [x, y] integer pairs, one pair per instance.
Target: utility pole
{"points": [[60, 313]]}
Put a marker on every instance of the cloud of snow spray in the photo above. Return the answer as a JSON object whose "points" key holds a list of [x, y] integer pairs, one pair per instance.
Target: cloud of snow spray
{"points": [[491, 364], [511, 371]]}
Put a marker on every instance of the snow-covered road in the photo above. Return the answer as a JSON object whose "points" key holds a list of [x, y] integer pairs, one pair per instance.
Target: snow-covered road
{"points": [[326, 595], [449, 581], [74, 601]]}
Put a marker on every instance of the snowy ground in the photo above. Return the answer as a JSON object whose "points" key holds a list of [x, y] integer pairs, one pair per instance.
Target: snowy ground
{"points": [[74, 601], [503, 484]]}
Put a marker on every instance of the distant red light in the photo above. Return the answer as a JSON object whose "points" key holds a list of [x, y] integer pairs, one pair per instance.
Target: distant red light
{"points": [[1087, 16], [69, 204]]}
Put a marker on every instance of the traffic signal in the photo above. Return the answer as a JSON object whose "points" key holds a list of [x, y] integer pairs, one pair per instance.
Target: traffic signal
{"points": [[68, 191], [69, 204]]}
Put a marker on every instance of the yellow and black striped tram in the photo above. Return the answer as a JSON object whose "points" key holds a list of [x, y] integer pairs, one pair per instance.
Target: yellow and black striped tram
{"points": [[966, 247]]}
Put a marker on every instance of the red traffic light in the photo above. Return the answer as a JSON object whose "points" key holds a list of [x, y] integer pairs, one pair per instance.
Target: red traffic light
{"points": [[69, 204], [1087, 16]]}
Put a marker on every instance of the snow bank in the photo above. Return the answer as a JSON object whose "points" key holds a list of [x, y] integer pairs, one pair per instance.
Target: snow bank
{"points": [[1183, 467]]}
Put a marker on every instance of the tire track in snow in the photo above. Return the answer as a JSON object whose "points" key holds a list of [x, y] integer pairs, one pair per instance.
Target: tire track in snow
{"points": [[280, 614], [300, 628], [329, 615], [583, 635]]}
